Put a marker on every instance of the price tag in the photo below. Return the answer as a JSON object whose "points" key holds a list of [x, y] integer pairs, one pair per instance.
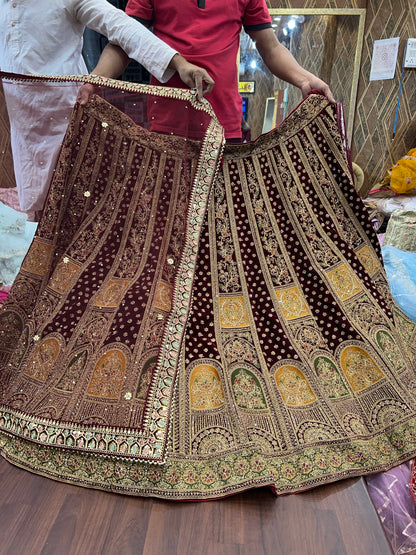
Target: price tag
{"points": [[410, 56]]}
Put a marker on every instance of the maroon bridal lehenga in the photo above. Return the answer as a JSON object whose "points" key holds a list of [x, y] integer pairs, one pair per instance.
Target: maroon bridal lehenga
{"points": [[194, 320]]}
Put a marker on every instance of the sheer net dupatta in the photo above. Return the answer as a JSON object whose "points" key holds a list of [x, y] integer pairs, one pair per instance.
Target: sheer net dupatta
{"points": [[92, 328]]}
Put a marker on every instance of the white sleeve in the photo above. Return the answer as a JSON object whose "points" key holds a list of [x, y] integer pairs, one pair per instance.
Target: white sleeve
{"points": [[135, 39]]}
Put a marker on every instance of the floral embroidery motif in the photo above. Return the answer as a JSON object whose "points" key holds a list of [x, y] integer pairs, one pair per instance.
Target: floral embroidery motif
{"points": [[227, 267], [240, 348], [247, 390], [205, 388], [360, 369], [293, 386]]}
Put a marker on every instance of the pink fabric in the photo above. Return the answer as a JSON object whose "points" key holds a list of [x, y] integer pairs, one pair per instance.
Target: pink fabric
{"points": [[389, 492], [10, 198], [3, 294]]}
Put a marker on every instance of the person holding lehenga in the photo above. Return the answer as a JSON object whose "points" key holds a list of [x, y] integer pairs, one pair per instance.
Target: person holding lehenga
{"points": [[45, 38], [207, 33]]}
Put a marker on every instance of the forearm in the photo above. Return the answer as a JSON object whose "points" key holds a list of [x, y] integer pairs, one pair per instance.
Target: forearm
{"points": [[113, 61], [138, 42], [282, 64]]}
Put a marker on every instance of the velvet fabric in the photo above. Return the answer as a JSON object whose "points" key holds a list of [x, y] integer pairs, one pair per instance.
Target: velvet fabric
{"points": [[189, 326]]}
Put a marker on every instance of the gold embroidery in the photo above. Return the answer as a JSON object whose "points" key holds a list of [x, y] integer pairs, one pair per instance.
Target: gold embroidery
{"points": [[390, 348], [247, 390], [344, 283], [292, 303], [163, 296], [38, 257], [360, 369], [205, 388], [63, 275], [111, 293], [233, 312], [329, 374], [43, 359], [107, 379], [368, 260], [293, 386]]}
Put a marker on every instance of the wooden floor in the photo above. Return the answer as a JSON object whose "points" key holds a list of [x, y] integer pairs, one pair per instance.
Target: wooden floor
{"points": [[40, 516]]}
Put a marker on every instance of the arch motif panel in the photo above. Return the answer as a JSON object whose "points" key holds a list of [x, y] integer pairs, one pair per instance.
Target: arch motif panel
{"points": [[293, 386], [205, 388], [107, 379], [359, 368], [248, 393]]}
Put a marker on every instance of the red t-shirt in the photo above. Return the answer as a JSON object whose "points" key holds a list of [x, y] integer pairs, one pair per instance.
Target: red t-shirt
{"points": [[207, 33]]}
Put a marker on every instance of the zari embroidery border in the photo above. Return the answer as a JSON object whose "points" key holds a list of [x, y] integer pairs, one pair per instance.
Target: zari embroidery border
{"points": [[156, 416], [150, 444], [190, 95], [220, 475]]}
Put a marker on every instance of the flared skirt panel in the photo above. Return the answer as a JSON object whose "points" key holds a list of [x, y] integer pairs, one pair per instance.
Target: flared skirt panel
{"points": [[186, 334]]}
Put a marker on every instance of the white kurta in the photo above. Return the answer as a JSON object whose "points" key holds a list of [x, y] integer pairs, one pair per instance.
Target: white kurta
{"points": [[45, 37]]}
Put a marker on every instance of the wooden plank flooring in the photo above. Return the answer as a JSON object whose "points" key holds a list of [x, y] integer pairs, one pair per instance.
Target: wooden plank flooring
{"points": [[40, 516]]}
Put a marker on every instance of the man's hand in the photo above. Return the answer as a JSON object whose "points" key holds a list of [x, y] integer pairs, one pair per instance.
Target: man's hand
{"points": [[84, 93], [194, 76], [316, 83]]}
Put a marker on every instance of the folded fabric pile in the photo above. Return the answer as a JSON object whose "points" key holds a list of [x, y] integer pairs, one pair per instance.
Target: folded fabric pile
{"points": [[16, 234]]}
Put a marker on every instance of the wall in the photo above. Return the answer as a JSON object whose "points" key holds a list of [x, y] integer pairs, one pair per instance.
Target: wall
{"points": [[372, 147]]}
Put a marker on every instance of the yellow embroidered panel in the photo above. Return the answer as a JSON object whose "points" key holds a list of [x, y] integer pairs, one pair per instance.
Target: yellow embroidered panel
{"points": [[111, 293], [368, 260], [292, 303], [233, 312], [63, 275], [42, 360], [344, 283], [205, 388], [163, 296], [108, 376], [293, 386], [360, 369], [38, 258]]}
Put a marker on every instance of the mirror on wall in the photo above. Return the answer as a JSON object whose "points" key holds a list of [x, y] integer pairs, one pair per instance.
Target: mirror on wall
{"points": [[327, 42]]}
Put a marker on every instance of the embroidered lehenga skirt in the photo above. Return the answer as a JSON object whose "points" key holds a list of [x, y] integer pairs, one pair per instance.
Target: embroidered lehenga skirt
{"points": [[192, 322]]}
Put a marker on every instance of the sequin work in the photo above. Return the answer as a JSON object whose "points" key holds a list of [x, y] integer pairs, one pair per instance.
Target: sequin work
{"points": [[243, 341]]}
